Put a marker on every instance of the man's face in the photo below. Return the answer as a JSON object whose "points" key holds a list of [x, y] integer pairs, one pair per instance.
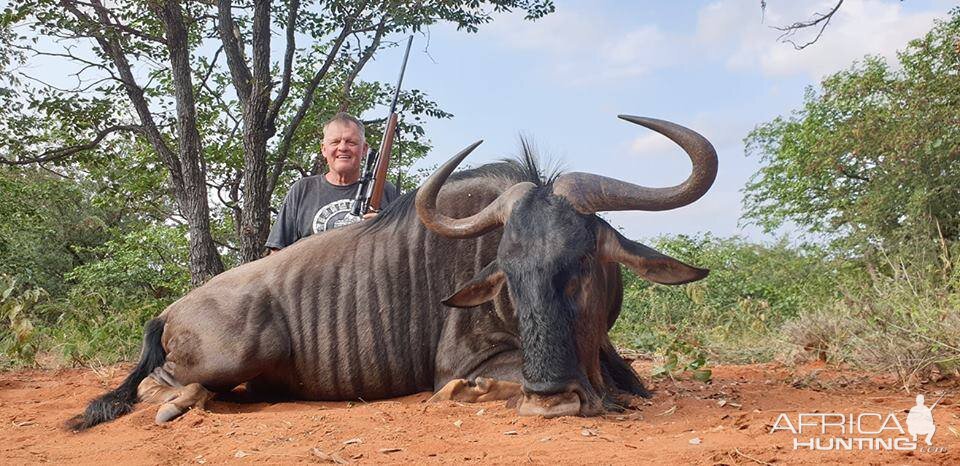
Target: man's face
{"points": [[342, 148]]}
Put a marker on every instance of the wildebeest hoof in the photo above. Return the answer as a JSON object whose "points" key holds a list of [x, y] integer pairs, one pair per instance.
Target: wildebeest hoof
{"points": [[479, 390], [167, 413]]}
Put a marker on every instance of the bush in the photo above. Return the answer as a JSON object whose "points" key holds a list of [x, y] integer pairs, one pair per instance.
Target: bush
{"points": [[139, 274], [17, 336], [752, 289], [101, 315], [903, 317]]}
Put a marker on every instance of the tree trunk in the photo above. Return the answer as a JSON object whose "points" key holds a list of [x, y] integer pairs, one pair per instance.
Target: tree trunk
{"points": [[205, 260], [255, 216], [258, 128]]}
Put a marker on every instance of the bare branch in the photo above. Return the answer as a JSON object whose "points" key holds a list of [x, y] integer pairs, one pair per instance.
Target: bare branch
{"points": [[821, 19], [53, 172], [213, 63], [116, 24], [287, 63], [232, 45], [291, 129], [67, 54], [64, 152], [364, 58]]}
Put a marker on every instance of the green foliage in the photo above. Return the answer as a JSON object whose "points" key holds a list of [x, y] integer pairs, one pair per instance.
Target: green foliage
{"points": [[45, 224], [872, 157], [106, 271], [17, 339], [138, 275], [151, 262], [752, 289]]}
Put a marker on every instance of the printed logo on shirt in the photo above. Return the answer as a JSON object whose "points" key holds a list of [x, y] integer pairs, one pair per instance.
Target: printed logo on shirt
{"points": [[334, 215]]}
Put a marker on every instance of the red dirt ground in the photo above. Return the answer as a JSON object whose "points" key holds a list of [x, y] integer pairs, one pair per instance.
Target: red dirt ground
{"points": [[725, 422]]}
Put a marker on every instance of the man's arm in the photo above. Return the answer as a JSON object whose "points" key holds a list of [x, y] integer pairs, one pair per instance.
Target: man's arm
{"points": [[285, 230]]}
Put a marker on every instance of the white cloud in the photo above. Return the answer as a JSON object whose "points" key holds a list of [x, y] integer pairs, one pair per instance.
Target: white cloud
{"points": [[732, 31], [652, 143], [721, 130], [582, 48]]}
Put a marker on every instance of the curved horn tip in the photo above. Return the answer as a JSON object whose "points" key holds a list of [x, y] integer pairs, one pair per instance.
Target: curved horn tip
{"points": [[467, 150], [639, 120]]}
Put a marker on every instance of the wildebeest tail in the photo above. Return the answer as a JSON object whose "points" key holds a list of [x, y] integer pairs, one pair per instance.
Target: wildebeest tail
{"points": [[120, 401]]}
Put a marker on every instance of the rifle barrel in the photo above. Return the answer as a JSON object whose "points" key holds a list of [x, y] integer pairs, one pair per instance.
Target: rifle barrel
{"points": [[403, 68]]}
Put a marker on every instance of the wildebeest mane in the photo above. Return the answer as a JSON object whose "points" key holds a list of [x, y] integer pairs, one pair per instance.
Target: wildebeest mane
{"points": [[524, 167]]}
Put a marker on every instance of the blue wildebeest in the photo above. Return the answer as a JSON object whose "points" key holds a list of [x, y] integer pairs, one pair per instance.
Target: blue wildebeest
{"points": [[365, 311]]}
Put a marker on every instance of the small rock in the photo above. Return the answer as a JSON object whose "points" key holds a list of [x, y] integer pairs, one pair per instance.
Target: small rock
{"points": [[669, 411], [240, 454], [200, 459], [546, 439], [510, 432], [481, 412], [588, 433], [389, 450], [334, 458], [353, 441], [695, 441], [458, 423]]}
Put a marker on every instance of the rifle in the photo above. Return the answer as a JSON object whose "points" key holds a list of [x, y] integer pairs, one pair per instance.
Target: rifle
{"points": [[374, 179], [938, 400]]}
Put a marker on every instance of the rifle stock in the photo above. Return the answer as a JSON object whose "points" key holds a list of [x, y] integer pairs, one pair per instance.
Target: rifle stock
{"points": [[380, 176], [369, 198]]}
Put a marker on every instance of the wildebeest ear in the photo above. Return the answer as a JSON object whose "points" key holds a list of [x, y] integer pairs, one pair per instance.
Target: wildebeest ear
{"points": [[484, 287], [645, 261]]}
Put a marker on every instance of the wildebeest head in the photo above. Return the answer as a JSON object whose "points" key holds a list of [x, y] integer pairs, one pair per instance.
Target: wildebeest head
{"points": [[559, 262]]}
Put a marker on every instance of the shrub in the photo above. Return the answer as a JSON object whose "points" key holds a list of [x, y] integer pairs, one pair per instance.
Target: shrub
{"points": [[752, 289]]}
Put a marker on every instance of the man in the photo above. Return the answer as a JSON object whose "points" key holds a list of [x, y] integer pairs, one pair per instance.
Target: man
{"points": [[318, 203]]}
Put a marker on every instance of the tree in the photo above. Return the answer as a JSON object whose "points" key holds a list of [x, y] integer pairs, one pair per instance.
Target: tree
{"points": [[873, 157], [151, 72]]}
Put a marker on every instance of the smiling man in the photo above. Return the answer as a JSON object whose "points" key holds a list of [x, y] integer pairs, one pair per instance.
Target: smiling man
{"points": [[318, 203]]}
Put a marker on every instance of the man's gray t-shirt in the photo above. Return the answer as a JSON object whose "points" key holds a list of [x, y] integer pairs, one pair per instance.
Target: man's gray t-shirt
{"points": [[313, 205]]}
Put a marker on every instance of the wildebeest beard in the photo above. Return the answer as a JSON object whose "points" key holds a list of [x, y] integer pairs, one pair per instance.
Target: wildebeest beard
{"points": [[544, 248]]}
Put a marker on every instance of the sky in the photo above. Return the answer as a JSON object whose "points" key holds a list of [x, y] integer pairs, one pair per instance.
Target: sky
{"points": [[713, 66]]}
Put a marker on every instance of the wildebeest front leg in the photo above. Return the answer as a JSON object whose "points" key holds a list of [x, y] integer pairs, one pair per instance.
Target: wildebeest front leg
{"points": [[479, 390]]}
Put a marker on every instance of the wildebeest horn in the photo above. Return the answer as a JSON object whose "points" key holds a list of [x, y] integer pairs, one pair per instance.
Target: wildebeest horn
{"points": [[594, 193], [492, 216]]}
